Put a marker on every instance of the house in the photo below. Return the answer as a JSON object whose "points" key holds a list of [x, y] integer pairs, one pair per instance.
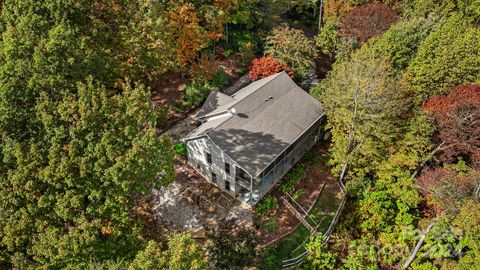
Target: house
{"points": [[247, 142]]}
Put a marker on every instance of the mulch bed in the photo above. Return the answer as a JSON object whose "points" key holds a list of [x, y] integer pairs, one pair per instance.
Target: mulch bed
{"points": [[311, 184]]}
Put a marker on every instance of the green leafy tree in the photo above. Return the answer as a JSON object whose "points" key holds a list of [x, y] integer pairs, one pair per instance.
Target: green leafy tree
{"points": [[328, 39], [401, 42], [319, 257], [450, 56], [363, 112], [182, 254], [67, 194], [293, 48]]}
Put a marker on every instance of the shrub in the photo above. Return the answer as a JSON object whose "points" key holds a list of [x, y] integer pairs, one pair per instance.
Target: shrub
{"points": [[246, 53], [227, 53], [272, 225], [204, 70], [221, 79], [266, 66], [291, 47], [298, 194], [270, 203], [293, 177], [195, 93], [180, 149], [367, 21]]}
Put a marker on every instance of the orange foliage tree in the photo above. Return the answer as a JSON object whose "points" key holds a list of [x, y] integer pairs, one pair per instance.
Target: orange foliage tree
{"points": [[265, 66], [458, 119], [190, 35], [446, 189]]}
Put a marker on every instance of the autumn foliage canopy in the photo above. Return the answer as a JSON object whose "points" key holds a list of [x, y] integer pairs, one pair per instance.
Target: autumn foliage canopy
{"points": [[265, 66], [367, 21], [446, 188], [458, 118]]}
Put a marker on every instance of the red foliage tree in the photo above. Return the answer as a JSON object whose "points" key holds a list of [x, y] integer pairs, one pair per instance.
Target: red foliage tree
{"points": [[446, 189], [458, 118], [367, 21], [265, 66]]}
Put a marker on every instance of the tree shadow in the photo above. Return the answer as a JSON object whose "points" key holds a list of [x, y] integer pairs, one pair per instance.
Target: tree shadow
{"points": [[253, 151]]}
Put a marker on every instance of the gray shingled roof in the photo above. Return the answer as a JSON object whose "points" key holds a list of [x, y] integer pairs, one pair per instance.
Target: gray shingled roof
{"points": [[214, 100], [270, 114]]}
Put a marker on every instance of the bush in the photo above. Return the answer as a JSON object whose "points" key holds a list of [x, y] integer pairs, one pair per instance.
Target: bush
{"points": [[196, 92], [204, 70], [291, 47], [272, 225], [269, 204], [367, 21], [293, 177], [246, 53], [180, 149], [221, 79], [266, 66]]}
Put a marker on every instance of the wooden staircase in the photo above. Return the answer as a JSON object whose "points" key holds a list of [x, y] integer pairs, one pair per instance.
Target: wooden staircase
{"points": [[299, 216]]}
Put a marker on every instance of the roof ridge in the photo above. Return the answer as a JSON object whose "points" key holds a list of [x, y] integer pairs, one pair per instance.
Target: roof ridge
{"points": [[235, 101], [276, 75]]}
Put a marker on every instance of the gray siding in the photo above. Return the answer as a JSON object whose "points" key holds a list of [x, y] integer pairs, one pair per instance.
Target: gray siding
{"points": [[197, 157]]}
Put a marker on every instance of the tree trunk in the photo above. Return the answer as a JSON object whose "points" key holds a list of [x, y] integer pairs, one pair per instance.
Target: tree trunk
{"points": [[427, 159], [320, 12], [420, 242]]}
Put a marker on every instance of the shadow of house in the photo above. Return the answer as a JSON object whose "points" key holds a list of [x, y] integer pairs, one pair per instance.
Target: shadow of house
{"points": [[251, 139]]}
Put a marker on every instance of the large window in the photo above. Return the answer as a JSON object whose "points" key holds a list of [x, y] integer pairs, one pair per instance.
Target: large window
{"points": [[209, 158], [227, 168], [227, 185]]}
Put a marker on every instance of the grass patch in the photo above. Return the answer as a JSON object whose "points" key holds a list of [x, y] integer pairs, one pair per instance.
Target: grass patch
{"points": [[322, 212]]}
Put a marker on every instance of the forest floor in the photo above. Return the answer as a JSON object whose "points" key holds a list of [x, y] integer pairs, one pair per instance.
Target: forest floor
{"points": [[170, 92]]}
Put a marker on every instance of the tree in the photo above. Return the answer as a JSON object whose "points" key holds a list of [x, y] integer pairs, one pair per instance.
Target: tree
{"points": [[67, 193], [447, 188], [265, 66], [367, 21], [457, 118], [401, 42], [450, 56], [363, 111], [328, 39], [291, 47], [182, 254], [319, 257], [233, 250], [189, 35]]}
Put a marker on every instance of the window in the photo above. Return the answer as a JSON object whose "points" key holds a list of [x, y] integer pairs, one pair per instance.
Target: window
{"points": [[209, 158], [227, 168], [227, 185], [214, 177]]}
